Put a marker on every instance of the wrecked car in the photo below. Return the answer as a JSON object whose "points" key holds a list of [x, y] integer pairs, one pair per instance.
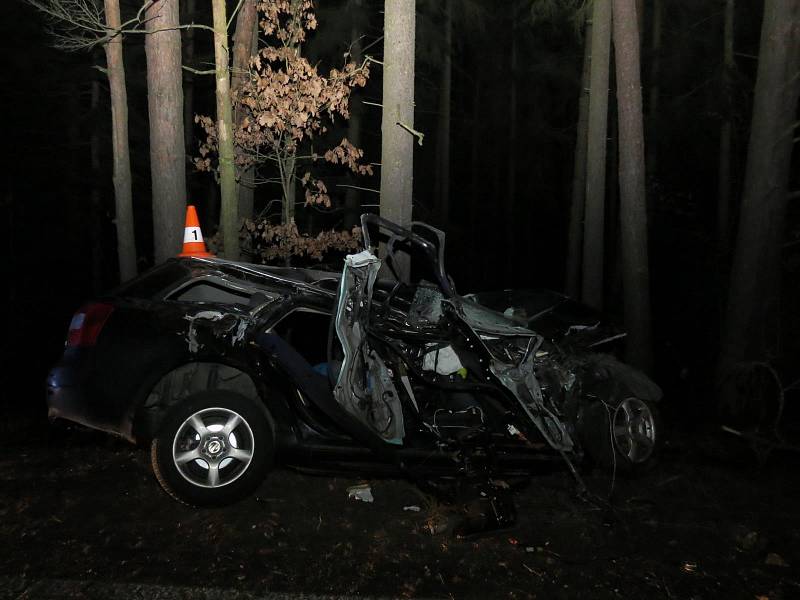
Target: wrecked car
{"points": [[226, 369]]}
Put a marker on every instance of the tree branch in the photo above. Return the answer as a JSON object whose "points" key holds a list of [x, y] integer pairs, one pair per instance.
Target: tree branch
{"points": [[418, 134], [355, 187], [233, 14], [80, 24], [198, 71]]}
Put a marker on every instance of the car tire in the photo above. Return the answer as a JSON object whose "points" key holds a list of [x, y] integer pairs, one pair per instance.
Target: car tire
{"points": [[622, 434], [213, 448]]}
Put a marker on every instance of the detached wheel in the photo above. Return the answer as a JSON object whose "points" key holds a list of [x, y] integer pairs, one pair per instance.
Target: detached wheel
{"points": [[213, 448], [623, 433]]}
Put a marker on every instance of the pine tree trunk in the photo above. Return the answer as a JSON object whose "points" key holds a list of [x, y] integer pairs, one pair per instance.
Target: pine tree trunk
{"points": [[245, 45], [229, 204], [640, 8], [352, 201], [578, 204], [123, 197], [594, 217], [188, 79], [726, 132], [162, 46], [612, 275], [633, 206], [445, 101], [755, 279], [397, 143]]}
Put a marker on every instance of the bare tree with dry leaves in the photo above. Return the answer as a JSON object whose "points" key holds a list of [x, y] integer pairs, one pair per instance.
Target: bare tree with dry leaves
{"points": [[284, 105]]}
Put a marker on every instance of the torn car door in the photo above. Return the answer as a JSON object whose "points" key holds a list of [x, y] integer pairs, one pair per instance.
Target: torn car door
{"points": [[364, 385]]}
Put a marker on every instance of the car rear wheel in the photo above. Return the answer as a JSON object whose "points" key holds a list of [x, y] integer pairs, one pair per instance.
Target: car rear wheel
{"points": [[213, 448], [622, 434]]}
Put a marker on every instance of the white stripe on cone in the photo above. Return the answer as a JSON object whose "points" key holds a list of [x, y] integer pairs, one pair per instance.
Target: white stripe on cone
{"points": [[192, 234]]}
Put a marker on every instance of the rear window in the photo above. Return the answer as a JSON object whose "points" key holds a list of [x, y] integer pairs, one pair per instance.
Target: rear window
{"points": [[211, 291], [152, 283]]}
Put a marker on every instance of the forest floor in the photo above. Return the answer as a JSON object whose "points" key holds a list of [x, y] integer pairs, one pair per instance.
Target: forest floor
{"points": [[81, 516]]}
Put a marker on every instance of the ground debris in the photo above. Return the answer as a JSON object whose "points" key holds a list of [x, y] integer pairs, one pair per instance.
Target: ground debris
{"points": [[775, 560], [750, 541], [159, 546], [361, 492]]}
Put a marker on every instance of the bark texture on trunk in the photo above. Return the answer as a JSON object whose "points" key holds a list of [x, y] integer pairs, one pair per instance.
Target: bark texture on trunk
{"points": [[229, 204], [726, 131], [633, 204], [188, 78], [640, 8], [445, 101], [397, 143], [572, 278], [752, 314], [162, 46], [245, 44], [352, 201], [289, 184], [123, 197], [594, 217]]}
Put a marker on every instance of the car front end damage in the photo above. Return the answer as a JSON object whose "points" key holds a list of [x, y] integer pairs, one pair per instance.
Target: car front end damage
{"points": [[464, 373]]}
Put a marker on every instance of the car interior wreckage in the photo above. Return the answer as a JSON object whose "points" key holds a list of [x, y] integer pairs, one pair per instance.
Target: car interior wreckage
{"points": [[226, 368]]}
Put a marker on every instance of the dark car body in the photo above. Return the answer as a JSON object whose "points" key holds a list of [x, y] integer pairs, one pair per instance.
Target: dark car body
{"points": [[352, 369]]}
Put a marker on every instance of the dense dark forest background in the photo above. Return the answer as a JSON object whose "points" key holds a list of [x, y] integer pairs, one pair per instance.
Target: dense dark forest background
{"points": [[511, 167]]}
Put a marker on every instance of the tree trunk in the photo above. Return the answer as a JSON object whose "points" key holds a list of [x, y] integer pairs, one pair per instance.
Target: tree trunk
{"points": [[289, 183], [397, 143], [594, 218], [352, 201], [578, 204], [654, 99], [612, 275], [445, 101], [640, 17], [165, 109], [123, 197], [229, 204], [188, 79], [245, 44], [726, 132], [633, 206], [755, 279]]}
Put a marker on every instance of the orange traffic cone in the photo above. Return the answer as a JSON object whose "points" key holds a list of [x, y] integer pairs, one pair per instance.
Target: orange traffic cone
{"points": [[193, 244]]}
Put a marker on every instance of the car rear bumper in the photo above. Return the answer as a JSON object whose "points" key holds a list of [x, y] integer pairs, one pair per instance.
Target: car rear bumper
{"points": [[67, 398]]}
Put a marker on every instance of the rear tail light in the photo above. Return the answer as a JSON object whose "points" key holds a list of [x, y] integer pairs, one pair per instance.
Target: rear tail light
{"points": [[87, 324]]}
